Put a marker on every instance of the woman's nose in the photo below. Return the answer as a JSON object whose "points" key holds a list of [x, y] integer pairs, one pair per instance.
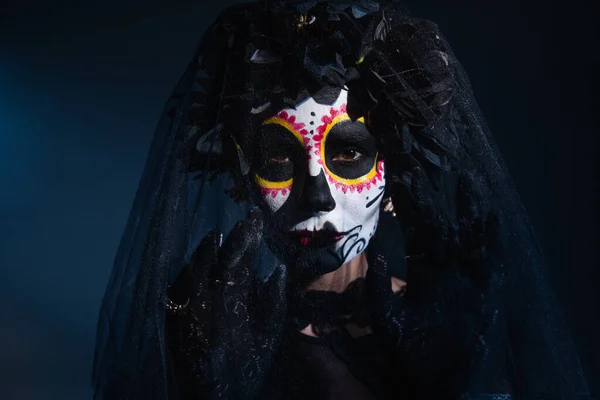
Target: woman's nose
{"points": [[317, 194]]}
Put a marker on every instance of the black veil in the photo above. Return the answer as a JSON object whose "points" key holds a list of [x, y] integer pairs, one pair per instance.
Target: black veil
{"points": [[451, 192]]}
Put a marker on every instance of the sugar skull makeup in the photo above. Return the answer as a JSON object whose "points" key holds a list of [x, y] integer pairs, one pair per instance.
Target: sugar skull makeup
{"points": [[320, 176]]}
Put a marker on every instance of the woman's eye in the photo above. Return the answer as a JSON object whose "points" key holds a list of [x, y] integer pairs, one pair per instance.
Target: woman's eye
{"points": [[280, 159], [347, 156]]}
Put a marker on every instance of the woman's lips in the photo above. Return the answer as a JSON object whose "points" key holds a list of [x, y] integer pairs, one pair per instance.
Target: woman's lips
{"points": [[316, 238]]}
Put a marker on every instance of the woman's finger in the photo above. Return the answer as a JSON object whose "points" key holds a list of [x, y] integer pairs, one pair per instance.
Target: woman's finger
{"points": [[241, 243], [384, 307], [206, 255], [379, 286], [274, 292], [193, 277]]}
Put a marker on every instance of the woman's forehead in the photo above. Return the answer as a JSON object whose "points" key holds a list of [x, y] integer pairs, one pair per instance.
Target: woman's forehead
{"points": [[310, 112]]}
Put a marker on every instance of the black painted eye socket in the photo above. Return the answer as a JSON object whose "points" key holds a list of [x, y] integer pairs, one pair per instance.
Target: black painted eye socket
{"points": [[277, 153], [350, 150]]}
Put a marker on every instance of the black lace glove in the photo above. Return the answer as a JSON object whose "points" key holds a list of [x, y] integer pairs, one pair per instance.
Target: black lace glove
{"points": [[223, 324], [430, 330], [385, 306]]}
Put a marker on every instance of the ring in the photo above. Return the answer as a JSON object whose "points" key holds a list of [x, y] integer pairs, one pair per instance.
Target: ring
{"points": [[228, 283], [174, 307]]}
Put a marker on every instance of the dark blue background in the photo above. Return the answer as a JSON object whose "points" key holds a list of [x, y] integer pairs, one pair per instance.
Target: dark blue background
{"points": [[82, 85]]}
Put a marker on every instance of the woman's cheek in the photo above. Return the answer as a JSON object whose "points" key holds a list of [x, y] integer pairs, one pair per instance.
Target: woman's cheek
{"points": [[274, 194]]}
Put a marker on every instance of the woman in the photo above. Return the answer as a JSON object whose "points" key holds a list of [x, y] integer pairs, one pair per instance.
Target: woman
{"points": [[324, 215]]}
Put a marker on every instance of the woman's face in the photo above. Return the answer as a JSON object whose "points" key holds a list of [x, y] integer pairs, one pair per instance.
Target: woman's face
{"points": [[321, 180]]}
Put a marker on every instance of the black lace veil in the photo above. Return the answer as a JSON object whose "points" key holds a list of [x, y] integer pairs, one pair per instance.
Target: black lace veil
{"points": [[451, 192]]}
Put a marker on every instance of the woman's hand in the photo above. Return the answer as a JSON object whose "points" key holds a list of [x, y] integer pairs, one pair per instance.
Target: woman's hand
{"points": [[223, 324], [385, 303]]}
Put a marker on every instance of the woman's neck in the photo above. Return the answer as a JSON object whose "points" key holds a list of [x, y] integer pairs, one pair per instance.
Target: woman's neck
{"points": [[338, 280]]}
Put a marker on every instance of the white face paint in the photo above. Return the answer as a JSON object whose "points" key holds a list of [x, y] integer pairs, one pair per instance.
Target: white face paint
{"points": [[342, 181]]}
